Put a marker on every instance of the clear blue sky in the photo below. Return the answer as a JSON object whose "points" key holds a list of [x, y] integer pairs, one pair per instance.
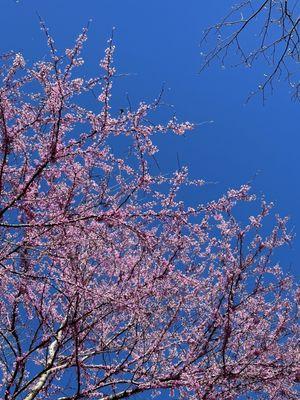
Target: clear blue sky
{"points": [[158, 42]]}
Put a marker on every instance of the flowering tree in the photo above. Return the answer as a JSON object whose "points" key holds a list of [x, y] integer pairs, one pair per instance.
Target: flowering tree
{"points": [[110, 285], [265, 30]]}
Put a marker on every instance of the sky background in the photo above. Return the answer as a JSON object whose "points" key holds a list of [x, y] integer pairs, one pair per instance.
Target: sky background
{"points": [[158, 43]]}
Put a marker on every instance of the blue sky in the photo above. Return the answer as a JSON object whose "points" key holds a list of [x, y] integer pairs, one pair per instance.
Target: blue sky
{"points": [[158, 43]]}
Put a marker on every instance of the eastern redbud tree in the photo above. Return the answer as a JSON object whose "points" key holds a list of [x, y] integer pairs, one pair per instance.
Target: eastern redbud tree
{"points": [[111, 286]]}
